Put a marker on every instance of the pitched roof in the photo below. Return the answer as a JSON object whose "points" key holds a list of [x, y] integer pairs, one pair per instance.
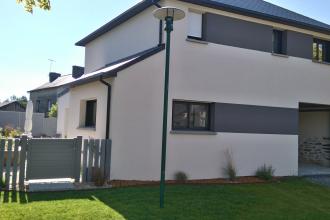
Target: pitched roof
{"points": [[112, 69], [3, 104], [265, 10], [254, 8], [60, 81]]}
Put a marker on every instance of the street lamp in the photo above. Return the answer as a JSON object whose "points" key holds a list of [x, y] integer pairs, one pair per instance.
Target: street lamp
{"points": [[169, 14]]}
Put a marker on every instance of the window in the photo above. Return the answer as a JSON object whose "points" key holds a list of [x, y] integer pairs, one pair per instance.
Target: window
{"points": [[190, 116], [49, 104], [195, 25], [38, 106], [279, 42], [321, 50], [90, 117]]}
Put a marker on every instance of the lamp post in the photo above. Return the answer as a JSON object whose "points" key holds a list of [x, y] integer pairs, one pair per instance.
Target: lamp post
{"points": [[169, 14]]}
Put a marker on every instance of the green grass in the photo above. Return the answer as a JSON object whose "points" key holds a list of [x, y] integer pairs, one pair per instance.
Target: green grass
{"points": [[290, 199]]}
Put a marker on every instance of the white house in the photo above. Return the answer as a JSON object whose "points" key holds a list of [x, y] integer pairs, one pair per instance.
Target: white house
{"points": [[245, 75]]}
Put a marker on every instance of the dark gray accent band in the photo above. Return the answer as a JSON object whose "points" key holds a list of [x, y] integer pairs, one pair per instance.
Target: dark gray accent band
{"points": [[238, 33], [299, 45], [236, 118]]}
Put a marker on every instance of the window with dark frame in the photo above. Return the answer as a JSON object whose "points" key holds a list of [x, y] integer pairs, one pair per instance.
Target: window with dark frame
{"points": [[191, 116], [279, 42], [90, 119], [38, 105], [321, 50]]}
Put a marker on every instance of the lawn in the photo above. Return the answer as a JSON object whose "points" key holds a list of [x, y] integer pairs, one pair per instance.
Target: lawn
{"points": [[290, 199]]}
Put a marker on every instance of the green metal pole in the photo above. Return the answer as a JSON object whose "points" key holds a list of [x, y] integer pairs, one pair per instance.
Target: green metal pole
{"points": [[168, 29]]}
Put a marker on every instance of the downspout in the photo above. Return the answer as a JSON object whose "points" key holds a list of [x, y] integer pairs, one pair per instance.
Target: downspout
{"points": [[160, 42], [108, 107]]}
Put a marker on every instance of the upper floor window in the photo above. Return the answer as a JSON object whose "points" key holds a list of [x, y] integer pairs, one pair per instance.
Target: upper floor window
{"points": [[279, 42], [190, 116], [195, 25], [321, 50]]}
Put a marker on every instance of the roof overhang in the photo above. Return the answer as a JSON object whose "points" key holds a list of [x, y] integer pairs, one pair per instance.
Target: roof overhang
{"points": [[250, 13], [112, 69]]}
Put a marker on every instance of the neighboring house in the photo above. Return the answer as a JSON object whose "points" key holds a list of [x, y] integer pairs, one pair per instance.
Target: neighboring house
{"points": [[14, 106], [46, 95], [245, 75]]}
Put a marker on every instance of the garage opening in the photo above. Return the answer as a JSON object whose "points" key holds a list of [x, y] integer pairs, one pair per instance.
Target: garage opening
{"points": [[314, 139]]}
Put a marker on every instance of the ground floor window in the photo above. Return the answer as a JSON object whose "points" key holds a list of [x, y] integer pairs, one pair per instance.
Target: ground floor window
{"points": [[90, 117], [190, 116]]}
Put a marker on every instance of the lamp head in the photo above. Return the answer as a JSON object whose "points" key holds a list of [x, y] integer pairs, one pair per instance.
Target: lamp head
{"points": [[175, 13]]}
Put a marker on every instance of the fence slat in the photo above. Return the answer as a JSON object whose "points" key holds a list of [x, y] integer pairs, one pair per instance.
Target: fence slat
{"points": [[2, 155], [102, 157], [90, 160], [8, 163], [22, 162], [15, 160], [107, 159], [78, 144], [96, 153], [84, 163]]}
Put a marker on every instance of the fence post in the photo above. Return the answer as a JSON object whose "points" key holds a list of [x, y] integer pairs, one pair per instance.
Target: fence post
{"points": [[78, 146], [107, 159], [22, 162], [2, 155]]}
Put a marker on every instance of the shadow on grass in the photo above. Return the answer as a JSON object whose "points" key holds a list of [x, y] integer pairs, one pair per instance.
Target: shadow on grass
{"points": [[25, 197]]}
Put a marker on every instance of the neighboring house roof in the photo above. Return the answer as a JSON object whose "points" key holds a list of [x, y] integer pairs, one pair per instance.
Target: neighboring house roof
{"points": [[60, 81], [253, 8], [112, 69], [4, 104]]}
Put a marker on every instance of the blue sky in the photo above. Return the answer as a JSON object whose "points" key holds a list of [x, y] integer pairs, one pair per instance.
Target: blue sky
{"points": [[28, 41]]}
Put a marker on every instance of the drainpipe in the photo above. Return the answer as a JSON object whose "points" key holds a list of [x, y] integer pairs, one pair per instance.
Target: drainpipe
{"points": [[108, 107], [160, 42]]}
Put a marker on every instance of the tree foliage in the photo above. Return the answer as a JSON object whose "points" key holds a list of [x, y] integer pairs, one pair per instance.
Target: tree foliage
{"points": [[29, 5], [22, 100], [53, 111]]}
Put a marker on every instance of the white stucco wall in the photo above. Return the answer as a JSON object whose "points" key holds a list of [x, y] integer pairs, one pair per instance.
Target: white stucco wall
{"points": [[133, 36], [90, 91], [63, 104], [314, 124]]}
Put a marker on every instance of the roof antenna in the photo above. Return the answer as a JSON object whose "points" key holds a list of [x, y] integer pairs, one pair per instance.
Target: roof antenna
{"points": [[51, 64]]}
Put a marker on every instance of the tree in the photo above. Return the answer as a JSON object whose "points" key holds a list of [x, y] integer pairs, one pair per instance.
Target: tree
{"points": [[30, 4], [21, 100], [53, 111]]}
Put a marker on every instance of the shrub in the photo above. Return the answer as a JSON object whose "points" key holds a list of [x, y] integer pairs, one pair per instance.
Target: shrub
{"points": [[180, 177], [8, 131], [230, 168], [2, 184], [265, 172], [53, 111], [98, 177]]}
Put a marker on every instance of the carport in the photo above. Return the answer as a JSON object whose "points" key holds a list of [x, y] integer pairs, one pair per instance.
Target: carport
{"points": [[314, 139]]}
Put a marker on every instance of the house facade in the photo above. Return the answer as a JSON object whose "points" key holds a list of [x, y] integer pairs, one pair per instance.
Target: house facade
{"points": [[247, 76]]}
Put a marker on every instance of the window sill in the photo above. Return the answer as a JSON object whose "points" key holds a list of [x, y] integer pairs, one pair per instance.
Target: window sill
{"points": [[280, 55], [87, 128], [196, 41], [321, 62], [193, 132]]}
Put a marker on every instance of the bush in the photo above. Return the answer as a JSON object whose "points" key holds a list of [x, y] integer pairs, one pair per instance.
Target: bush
{"points": [[230, 168], [8, 132], [53, 111], [180, 177], [2, 184], [98, 177], [265, 172]]}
